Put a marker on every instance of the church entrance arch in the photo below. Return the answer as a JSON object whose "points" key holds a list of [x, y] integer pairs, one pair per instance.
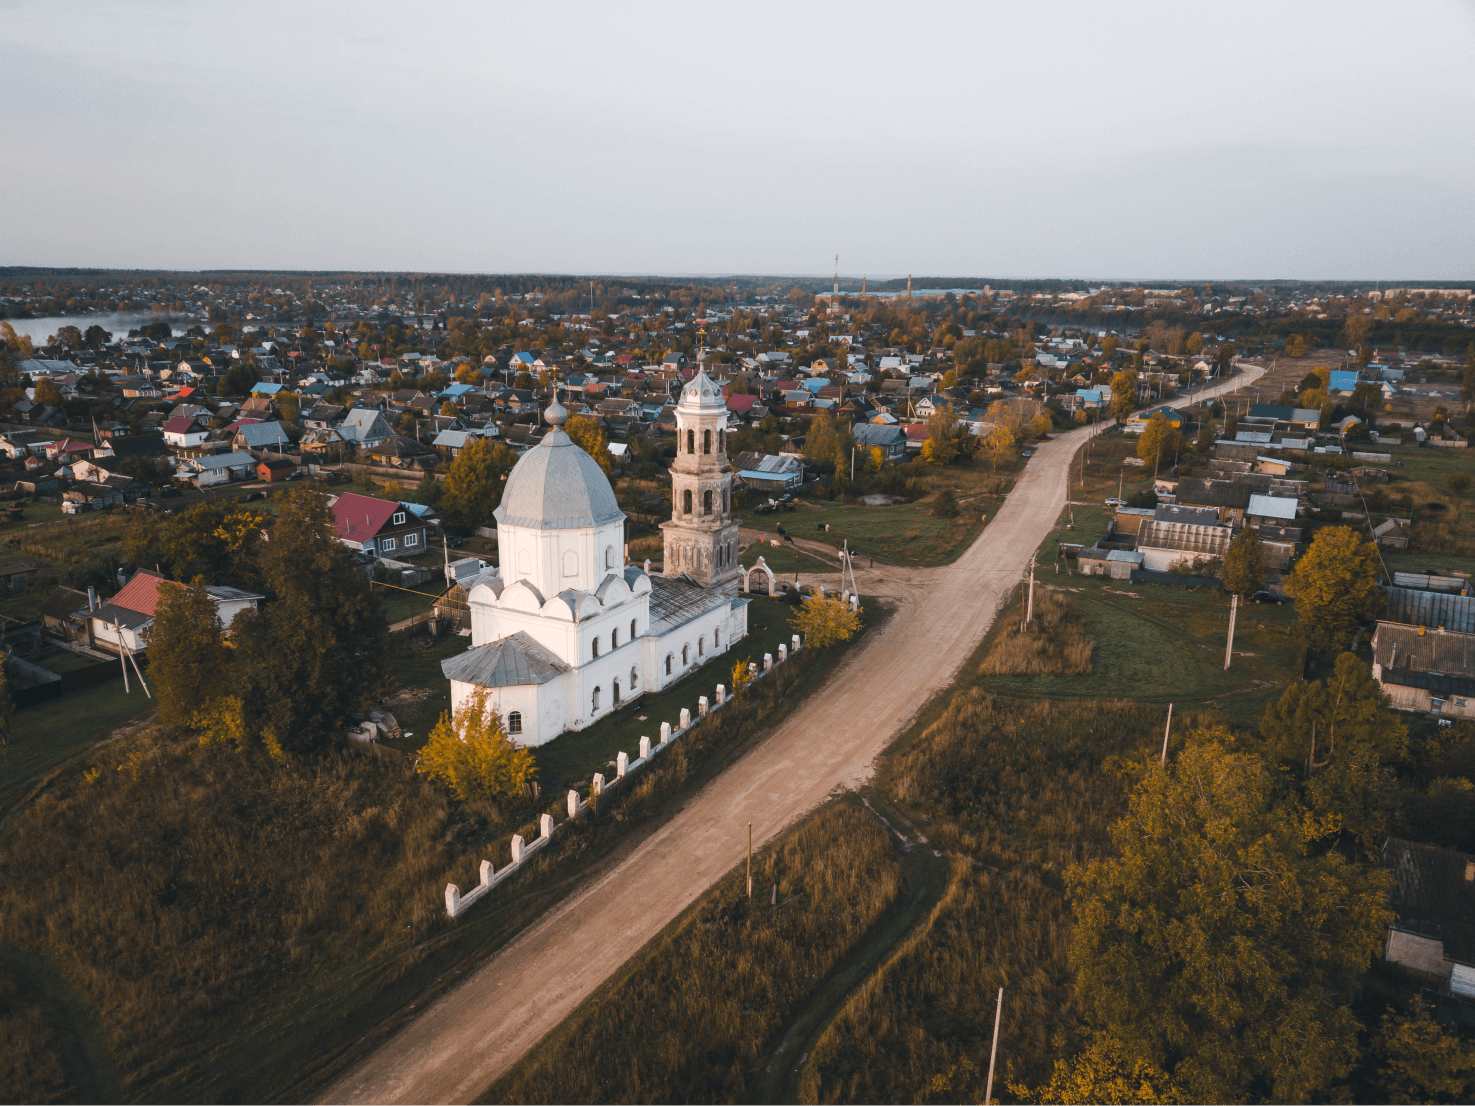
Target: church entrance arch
{"points": [[759, 579]]}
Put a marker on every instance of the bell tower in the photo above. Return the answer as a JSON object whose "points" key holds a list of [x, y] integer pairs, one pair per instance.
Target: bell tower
{"points": [[701, 540]]}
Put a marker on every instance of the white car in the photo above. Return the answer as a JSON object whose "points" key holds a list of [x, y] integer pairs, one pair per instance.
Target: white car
{"points": [[1116, 502]]}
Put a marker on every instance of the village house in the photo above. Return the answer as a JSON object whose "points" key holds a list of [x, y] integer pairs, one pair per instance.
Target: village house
{"points": [[1433, 901], [127, 619], [379, 527], [1429, 668], [1175, 534]]}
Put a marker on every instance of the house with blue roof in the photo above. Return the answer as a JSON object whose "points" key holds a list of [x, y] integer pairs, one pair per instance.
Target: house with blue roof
{"points": [[261, 388], [1343, 380]]}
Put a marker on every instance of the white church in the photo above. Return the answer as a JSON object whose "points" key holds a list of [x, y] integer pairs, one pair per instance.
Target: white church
{"points": [[564, 631]]}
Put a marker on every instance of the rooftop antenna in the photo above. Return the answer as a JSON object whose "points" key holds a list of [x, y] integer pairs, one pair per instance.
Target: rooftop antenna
{"points": [[837, 277]]}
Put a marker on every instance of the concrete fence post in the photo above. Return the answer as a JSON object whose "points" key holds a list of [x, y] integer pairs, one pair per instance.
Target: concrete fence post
{"points": [[752, 670], [622, 764], [855, 602], [598, 786], [645, 748], [486, 872], [665, 733], [721, 694], [573, 803], [453, 899], [783, 653], [702, 706], [768, 662], [545, 826], [517, 848], [794, 643], [685, 717]]}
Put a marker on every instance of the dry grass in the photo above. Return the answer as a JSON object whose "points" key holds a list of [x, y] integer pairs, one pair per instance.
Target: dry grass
{"points": [[181, 887], [693, 1012], [1054, 644], [31, 1067], [72, 539], [1015, 792]]}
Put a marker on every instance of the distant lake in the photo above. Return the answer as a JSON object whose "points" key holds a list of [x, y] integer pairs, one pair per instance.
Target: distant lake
{"points": [[39, 330]]}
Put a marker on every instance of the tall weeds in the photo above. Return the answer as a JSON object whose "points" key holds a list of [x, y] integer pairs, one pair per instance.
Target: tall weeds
{"points": [[1015, 792], [694, 1011], [1054, 643]]}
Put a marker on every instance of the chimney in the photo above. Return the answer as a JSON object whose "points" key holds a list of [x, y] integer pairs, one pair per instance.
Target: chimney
{"points": [[91, 599]]}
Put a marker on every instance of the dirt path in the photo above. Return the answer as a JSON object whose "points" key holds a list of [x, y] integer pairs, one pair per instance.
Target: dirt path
{"points": [[458, 1046]]}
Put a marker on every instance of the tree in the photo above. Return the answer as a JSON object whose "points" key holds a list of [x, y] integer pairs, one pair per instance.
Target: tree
{"points": [[69, 336], [588, 435], [473, 485], [473, 755], [1244, 565], [1104, 1073], [1221, 944], [998, 444], [945, 504], [48, 394], [406, 425], [189, 662], [319, 649], [448, 409], [1335, 586], [941, 445], [1337, 736], [826, 619], [1123, 393], [238, 380], [216, 541], [1418, 1061], [1158, 441], [141, 539]]}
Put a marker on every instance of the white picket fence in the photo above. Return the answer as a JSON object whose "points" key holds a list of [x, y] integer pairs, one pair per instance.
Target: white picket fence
{"points": [[523, 851]]}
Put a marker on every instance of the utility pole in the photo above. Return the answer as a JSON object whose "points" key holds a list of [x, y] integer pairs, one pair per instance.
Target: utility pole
{"points": [[1229, 645], [1029, 609], [988, 1091], [750, 861], [1167, 730]]}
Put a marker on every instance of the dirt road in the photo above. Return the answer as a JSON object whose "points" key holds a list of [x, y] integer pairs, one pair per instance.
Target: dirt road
{"points": [[453, 1051]]}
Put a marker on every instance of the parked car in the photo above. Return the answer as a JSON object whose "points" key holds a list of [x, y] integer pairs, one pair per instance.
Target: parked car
{"points": [[1267, 597], [1114, 502]]}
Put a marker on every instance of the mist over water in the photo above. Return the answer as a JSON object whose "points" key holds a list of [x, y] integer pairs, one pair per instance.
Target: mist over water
{"points": [[117, 323]]}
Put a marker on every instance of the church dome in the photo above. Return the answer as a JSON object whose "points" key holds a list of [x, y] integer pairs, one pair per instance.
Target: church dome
{"points": [[703, 392], [557, 486]]}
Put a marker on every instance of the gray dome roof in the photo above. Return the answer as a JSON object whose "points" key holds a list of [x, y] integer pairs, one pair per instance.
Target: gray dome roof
{"points": [[557, 486], [702, 391]]}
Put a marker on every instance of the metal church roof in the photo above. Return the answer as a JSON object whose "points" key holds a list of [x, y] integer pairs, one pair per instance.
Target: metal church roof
{"points": [[515, 661]]}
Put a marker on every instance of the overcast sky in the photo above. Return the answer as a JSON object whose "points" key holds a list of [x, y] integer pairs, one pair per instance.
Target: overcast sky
{"points": [[1090, 140]]}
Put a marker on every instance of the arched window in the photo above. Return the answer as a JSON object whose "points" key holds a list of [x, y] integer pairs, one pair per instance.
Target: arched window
{"points": [[616, 697], [596, 699], [716, 639], [596, 647], [570, 563], [634, 679], [706, 503], [514, 722], [722, 440], [686, 654], [701, 647], [609, 556], [726, 502], [691, 441], [686, 502], [706, 441], [668, 664], [614, 639], [633, 634]]}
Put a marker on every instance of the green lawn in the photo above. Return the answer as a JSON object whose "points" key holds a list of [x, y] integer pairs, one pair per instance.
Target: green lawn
{"points": [[1162, 644], [48, 734], [784, 559], [420, 668], [401, 603], [903, 533]]}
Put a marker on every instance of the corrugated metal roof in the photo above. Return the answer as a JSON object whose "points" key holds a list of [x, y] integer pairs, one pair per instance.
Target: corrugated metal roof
{"points": [[1271, 506], [1401, 648], [1455, 613], [516, 661], [675, 600], [1428, 581]]}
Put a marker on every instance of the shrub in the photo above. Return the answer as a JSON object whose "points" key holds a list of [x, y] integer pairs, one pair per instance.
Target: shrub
{"points": [[945, 504], [1457, 481]]}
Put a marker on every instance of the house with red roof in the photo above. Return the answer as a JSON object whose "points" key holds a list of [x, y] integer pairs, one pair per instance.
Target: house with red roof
{"points": [[741, 406], [379, 527], [67, 449], [127, 619], [185, 432]]}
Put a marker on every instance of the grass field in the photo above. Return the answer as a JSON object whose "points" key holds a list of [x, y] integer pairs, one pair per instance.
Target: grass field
{"points": [[51, 733], [903, 533], [1159, 644]]}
